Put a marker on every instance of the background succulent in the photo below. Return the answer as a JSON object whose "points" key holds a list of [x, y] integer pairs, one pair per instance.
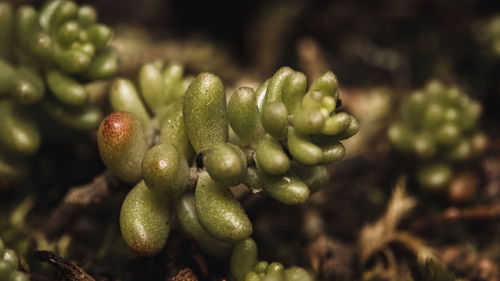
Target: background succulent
{"points": [[246, 267], [46, 57], [438, 126], [9, 264]]}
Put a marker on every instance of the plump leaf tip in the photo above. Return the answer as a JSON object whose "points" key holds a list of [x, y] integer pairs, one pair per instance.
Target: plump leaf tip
{"points": [[145, 220]]}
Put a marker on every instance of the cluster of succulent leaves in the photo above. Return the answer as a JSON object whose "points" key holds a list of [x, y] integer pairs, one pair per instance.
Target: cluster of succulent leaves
{"points": [[245, 266], [437, 125], [46, 56], [173, 132], [9, 262]]}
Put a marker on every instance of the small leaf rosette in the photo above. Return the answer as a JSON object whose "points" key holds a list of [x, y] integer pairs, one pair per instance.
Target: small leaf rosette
{"points": [[438, 126], [294, 131], [46, 58], [59, 47], [245, 266]]}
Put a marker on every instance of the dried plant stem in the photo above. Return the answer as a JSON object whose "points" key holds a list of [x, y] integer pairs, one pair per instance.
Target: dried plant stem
{"points": [[68, 270], [455, 214], [78, 198]]}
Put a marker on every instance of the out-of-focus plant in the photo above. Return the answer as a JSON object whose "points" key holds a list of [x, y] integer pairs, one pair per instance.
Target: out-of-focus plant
{"points": [[245, 266], [490, 35], [46, 57], [176, 134], [439, 126], [9, 264]]}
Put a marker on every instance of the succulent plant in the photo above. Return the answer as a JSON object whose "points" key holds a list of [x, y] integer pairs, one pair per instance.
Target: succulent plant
{"points": [[173, 134], [245, 266], [9, 262], [55, 50], [438, 126]]}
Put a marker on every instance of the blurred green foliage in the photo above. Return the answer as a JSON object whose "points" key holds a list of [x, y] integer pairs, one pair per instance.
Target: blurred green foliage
{"points": [[439, 126]]}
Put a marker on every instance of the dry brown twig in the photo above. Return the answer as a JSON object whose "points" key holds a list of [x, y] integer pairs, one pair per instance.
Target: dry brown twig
{"points": [[454, 214], [78, 198], [68, 270], [374, 237]]}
